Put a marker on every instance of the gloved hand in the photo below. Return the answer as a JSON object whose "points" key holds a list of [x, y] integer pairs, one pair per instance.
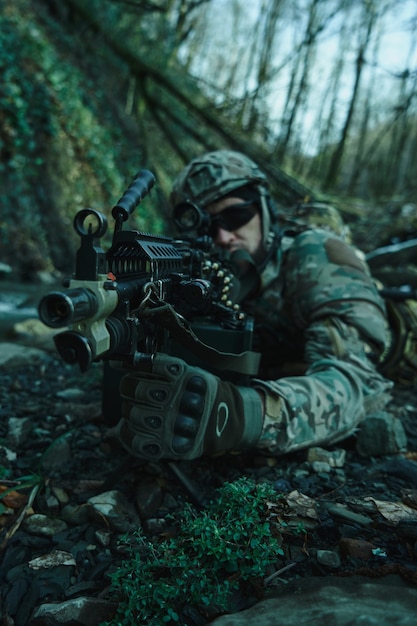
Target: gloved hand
{"points": [[177, 411]]}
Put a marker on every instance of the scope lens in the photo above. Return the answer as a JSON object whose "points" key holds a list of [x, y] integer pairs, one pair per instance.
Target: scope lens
{"points": [[189, 217]]}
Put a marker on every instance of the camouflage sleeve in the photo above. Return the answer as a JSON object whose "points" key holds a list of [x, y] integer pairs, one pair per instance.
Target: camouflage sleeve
{"points": [[327, 403], [342, 318]]}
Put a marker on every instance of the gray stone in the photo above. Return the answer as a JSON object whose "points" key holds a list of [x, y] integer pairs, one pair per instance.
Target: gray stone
{"points": [[329, 601], [19, 429], [320, 467], [72, 393], [32, 332], [38, 524], [341, 511], [52, 559], [380, 434], [83, 611], [329, 558], [334, 458], [11, 354], [5, 270]]}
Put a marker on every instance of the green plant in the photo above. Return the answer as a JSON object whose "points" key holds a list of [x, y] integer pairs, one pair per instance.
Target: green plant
{"points": [[215, 550]]}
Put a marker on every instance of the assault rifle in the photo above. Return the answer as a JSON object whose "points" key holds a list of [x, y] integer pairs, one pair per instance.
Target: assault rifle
{"points": [[148, 293]]}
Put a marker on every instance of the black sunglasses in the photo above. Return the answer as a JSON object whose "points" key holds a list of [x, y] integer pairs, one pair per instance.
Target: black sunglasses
{"points": [[232, 218]]}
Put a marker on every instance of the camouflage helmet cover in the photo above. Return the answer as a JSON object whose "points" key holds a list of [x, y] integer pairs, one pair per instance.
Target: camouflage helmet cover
{"points": [[214, 175]]}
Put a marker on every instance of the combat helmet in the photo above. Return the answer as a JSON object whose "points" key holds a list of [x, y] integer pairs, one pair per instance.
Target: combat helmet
{"points": [[216, 174]]}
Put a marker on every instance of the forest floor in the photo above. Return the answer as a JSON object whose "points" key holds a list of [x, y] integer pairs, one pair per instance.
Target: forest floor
{"points": [[359, 516]]}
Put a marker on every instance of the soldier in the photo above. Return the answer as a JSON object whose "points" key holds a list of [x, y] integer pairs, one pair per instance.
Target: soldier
{"points": [[319, 324]]}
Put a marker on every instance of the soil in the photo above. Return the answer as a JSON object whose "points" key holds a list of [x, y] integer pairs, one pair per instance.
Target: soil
{"points": [[66, 453]]}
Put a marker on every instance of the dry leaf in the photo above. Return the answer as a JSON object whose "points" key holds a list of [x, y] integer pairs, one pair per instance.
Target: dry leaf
{"points": [[393, 511], [302, 505], [14, 499]]}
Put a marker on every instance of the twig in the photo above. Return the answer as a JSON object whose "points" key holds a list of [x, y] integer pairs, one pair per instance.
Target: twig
{"points": [[270, 578], [21, 517]]}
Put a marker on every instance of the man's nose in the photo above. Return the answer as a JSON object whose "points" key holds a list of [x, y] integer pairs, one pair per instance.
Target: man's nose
{"points": [[223, 237]]}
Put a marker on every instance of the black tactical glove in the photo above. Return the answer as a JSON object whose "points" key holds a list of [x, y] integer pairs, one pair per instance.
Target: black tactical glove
{"points": [[177, 411]]}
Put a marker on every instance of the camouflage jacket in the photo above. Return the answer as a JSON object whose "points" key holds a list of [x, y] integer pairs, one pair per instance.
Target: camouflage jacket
{"points": [[320, 326]]}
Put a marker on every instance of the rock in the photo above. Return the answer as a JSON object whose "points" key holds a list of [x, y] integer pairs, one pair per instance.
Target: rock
{"points": [[81, 610], [356, 548], [38, 524], [329, 558], [320, 467], [334, 458], [19, 429], [347, 602], [7, 454], [32, 332], [13, 355], [72, 393], [103, 537], [5, 270], [341, 511], [119, 513], [52, 559], [381, 434], [405, 469]]}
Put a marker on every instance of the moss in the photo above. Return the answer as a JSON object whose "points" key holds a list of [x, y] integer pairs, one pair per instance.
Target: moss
{"points": [[63, 140]]}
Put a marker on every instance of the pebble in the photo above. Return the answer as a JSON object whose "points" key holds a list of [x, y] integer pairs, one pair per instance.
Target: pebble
{"points": [[39, 524], [19, 429], [329, 558], [343, 512], [73, 393], [356, 548], [321, 467], [84, 611], [52, 559], [334, 458]]}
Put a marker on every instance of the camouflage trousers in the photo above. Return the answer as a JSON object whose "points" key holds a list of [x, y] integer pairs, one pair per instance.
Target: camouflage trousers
{"points": [[341, 386]]}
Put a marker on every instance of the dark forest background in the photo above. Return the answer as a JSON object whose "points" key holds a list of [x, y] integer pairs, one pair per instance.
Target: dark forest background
{"points": [[92, 92]]}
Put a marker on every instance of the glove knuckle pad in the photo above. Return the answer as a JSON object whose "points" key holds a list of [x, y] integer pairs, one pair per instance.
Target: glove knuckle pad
{"points": [[197, 384], [192, 404], [182, 445], [185, 425]]}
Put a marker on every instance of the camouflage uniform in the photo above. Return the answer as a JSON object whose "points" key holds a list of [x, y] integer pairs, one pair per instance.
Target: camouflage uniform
{"points": [[320, 323]]}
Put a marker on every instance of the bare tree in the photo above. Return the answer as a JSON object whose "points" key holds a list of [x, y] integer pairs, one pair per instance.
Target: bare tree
{"points": [[370, 16]]}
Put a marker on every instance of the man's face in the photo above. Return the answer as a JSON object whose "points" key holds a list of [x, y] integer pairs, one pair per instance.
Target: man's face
{"points": [[247, 237]]}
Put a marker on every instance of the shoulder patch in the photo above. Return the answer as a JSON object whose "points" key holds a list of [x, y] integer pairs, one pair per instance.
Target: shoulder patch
{"points": [[339, 253]]}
